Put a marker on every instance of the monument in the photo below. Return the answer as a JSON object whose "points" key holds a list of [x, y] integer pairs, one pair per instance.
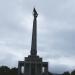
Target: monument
{"points": [[33, 64]]}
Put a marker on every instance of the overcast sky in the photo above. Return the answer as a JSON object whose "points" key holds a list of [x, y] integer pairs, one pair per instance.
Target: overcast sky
{"points": [[56, 32]]}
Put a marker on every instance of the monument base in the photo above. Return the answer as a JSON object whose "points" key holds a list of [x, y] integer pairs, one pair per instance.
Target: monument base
{"points": [[33, 65]]}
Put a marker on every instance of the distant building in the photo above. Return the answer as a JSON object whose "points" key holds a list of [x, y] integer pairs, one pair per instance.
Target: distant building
{"points": [[33, 64]]}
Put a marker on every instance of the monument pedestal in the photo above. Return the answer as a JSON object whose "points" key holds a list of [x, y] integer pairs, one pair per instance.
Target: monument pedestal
{"points": [[33, 65]]}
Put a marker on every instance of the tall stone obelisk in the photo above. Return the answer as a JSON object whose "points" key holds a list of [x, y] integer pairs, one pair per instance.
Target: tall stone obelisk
{"points": [[34, 34], [33, 64]]}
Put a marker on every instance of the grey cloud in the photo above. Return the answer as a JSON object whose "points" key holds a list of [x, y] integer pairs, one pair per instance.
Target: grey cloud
{"points": [[55, 33]]}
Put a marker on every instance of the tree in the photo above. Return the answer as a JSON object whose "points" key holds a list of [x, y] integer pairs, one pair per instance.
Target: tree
{"points": [[66, 73], [49, 73], [4, 70], [73, 72], [14, 71]]}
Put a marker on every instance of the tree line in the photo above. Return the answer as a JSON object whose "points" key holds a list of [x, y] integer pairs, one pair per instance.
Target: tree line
{"points": [[67, 73], [5, 70]]}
